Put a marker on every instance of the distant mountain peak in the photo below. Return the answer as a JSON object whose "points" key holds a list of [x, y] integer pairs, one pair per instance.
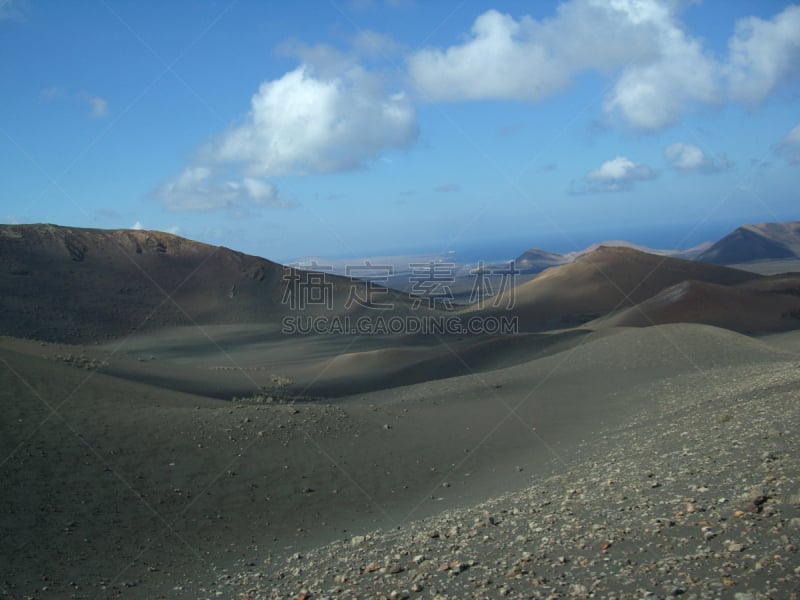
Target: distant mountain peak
{"points": [[753, 242]]}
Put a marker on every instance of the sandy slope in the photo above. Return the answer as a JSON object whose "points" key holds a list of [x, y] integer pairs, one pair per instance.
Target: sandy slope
{"points": [[118, 488]]}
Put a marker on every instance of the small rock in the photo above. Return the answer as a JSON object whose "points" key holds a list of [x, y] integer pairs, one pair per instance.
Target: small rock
{"points": [[735, 547], [457, 567], [578, 589]]}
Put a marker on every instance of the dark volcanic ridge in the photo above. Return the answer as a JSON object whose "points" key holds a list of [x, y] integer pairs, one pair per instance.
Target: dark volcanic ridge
{"points": [[78, 285], [765, 241]]}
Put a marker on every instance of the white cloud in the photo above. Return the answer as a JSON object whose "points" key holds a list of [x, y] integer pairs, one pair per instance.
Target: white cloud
{"points": [[764, 55], [328, 115], [655, 95], [658, 71], [174, 230], [688, 157], [789, 146], [661, 69], [502, 59], [621, 168], [793, 137], [615, 175], [200, 189], [302, 123], [261, 192], [137, 226]]}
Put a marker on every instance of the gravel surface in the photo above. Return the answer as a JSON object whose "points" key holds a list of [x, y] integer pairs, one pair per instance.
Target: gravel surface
{"points": [[697, 496]]}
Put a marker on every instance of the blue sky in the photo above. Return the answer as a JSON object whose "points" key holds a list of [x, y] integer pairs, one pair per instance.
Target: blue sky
{"points": [[362, 127]]}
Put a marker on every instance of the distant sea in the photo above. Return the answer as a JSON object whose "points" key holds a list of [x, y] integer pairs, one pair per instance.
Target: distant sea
{"points": [[668, 237]]}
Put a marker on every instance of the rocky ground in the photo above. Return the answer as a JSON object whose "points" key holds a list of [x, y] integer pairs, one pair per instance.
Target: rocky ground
{"points": [[698, 496]]}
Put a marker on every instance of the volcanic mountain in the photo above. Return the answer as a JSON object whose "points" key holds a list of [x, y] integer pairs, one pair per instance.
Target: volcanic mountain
{"points": [[602, 281], [77, 285], [765, 241]]}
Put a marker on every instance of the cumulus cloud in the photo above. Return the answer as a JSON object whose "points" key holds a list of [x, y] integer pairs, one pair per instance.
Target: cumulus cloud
{"points": [[502, 59], [200, 189], [654, 95], [301, 124], [764, 55], [616, 175], [789, 146], [688, 157], [658, 71], [661, 69], [137, 226], [621, 168], [328, 115]]}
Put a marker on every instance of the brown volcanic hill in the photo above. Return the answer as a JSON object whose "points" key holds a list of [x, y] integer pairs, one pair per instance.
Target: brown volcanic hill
{"points": [[755, 242], [537, 260], [769, 304], [77, 285], [605, 280], [687, 254]]}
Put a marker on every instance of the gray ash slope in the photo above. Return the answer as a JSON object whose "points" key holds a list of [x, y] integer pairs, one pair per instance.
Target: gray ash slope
{"points": [[694, 492], [698, 496]]}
